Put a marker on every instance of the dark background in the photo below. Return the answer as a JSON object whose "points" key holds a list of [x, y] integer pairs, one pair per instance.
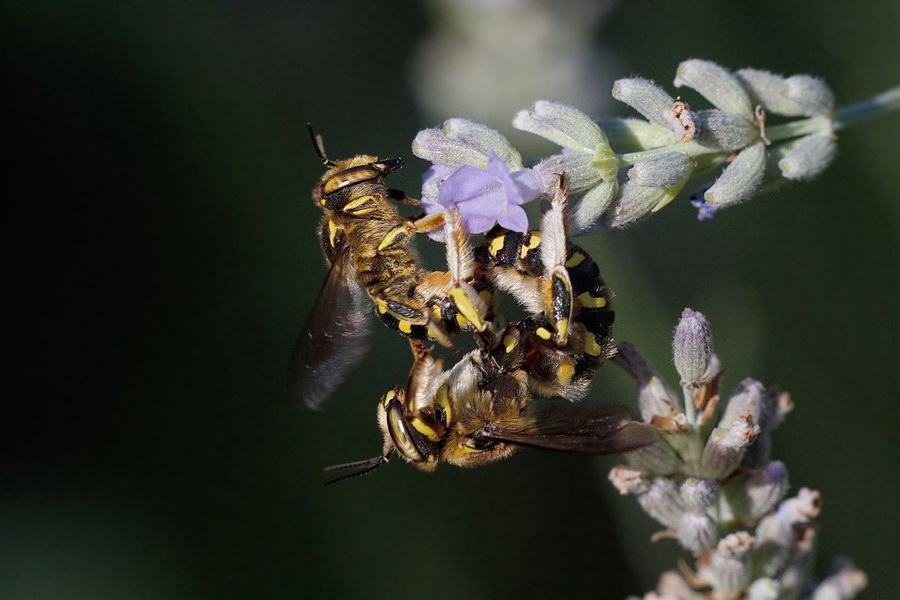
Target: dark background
{"points": [[161, 260]]}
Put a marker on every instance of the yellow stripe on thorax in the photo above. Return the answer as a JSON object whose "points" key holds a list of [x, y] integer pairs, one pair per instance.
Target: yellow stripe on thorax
{"points": [[361, 205]]}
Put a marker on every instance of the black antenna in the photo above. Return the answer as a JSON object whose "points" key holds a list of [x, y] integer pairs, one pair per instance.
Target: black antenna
{"points": [[364, 467], [319, 146]]}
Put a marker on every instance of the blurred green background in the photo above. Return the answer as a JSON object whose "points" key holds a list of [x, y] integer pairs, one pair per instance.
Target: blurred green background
{"points": [[160, 174]]}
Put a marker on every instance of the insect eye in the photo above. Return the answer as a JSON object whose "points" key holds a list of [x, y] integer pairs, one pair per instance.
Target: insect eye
{"points": [[481, 444], [401, 433], [441, 416]]}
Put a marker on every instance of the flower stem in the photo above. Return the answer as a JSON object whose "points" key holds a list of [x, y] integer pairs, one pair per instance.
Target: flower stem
{"points": [[692, 149], [886, 101], [795, 129]]}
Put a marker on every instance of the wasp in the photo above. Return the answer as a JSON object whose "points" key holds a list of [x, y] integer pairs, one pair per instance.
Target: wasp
{"points": [[515, 389], [367, 245]]}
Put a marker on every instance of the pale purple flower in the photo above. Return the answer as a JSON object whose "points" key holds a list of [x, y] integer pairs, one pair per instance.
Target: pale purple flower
{"points": [[705, 210], [484, 197]]}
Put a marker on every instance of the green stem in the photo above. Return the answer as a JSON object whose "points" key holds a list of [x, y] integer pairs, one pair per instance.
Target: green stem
{"points": [[795, 129], [692, 149], [886, 101]]}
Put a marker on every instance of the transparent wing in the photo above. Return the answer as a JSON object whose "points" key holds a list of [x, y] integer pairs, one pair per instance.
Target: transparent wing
{"points": [[334, 338], [556, 425]]}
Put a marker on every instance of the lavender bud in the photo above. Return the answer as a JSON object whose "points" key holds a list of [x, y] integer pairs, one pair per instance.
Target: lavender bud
{"points": [[764, 589], [644, 96], [632, 135], [692, 347], [484, 139], [768, 415], [747, 398], [665, 170], [758, 453], [717, 85], [766, 488], [843, 584], [803, 508], [785, 405], [464, 142], [660, 405], [781, 535], [729, 565], [811, 93], [792, 581], [657, 399], [581, 174], [773, 546], [562, 124], [673, 586], [636, 201], [808, 156], [725, 447], [697, 531], [629, 481], [767, 90], [434, 146], [740, 178], [723, 130], [659, 458], [585, 215], [663, 502], [699, 493], [752, 497]]}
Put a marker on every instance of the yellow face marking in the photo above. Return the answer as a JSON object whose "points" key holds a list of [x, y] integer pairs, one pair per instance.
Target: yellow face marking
{"points": [[575, 260], [533, 242], [509, 343], [562, 328], [543, 333], [361, 205], [420, 426], [564, 373], [461, 321], [381, 306], [589, 301], [391, 237], [496, 245], [590, 344], [332, 232], [388, 397], [466, 308], [485, 296], [443, 400], [404, 326]]}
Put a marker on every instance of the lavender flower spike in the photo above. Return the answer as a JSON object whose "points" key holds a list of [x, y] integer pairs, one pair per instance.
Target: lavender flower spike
{"points": [[714, 498]]}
